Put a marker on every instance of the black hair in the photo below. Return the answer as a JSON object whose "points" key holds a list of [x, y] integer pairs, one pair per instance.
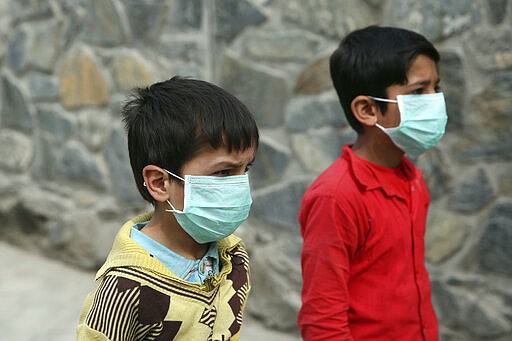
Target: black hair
{"points": [[371, 59], [169, 122]]}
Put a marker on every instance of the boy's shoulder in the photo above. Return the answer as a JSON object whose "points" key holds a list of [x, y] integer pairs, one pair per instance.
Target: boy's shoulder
{"points": [[335, 180], [233, 250]]}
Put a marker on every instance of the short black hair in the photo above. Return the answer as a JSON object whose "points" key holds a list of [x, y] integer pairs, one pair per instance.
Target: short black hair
{"points": [[169, 122], [371, 59]]}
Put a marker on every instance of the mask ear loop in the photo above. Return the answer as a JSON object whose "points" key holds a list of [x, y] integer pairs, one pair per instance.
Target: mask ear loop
{"points": [[176, 176], [173, 208], [383, 99], [388, 101]]}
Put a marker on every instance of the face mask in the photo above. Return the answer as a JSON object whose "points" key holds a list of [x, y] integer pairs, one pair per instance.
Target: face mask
{"points": [[214, 207], [422, 122]]}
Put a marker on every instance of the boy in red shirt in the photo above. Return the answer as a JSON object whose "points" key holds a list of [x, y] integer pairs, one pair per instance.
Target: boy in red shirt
{"points": [[363, 219]]}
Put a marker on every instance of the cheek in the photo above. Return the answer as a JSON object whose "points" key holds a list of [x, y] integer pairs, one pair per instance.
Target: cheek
{"points": [[176, 195], [392, 117], [396, 119]]}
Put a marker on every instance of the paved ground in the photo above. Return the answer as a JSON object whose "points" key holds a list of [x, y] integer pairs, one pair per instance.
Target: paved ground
{"points": [[40, 300]]}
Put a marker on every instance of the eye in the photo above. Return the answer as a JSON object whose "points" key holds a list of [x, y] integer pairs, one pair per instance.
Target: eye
{"points": [[418, 91], [438, 88], [222, 172]]}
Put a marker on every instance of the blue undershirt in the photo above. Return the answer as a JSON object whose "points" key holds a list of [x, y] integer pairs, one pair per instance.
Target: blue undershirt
{"points": [[191, 270]]}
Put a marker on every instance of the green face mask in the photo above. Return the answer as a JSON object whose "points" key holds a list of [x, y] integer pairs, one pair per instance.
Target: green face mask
{"points": [[214, 207], [422, 122]]}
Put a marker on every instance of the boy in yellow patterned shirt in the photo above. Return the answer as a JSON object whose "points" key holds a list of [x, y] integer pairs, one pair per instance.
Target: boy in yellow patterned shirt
{"points": [[178, 273]]}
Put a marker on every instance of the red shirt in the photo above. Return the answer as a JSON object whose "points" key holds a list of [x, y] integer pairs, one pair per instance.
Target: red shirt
{"points": [[363, 269]]}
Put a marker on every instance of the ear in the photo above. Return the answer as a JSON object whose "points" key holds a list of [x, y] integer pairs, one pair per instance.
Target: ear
{"points": [[156, 180], [365, 110]]}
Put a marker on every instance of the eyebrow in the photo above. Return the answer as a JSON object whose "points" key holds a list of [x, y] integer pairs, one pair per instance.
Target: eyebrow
{"points": [[233, 164], [425, 82]]}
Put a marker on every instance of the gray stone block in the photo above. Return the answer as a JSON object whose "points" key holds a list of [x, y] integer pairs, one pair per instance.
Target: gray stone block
{"points": [[497, 10], [46, 155], [453, 85], [477, 316], [102, 24], [436, 172], [77, 164], [279, 204], [45, 46], [303, 113], [490, 48], [491, 148], [491, 115], [494, 246], [314, 78], [445, 236], [33, 213], [185, 15], [328, 18], [449, 304], [185, 51], [272, 159], [232, 16], [30, 10], [17, 50], [263, 91], [93, 128], [445, 18], [43, 87], [118, 163], [276, 283], [472, 193], [317, 149], [15, 110], [16, 151], [145, 18], [485, 319], [50, 120]]}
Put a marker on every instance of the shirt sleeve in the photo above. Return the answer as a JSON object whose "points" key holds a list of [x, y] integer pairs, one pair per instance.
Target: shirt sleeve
{"points": [[330, 240]]}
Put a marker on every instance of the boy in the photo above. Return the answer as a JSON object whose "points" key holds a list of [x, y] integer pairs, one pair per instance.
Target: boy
{"points": [[178, 273], [363, 219]]}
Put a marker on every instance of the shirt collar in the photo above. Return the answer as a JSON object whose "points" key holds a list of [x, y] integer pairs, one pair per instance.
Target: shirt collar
{"points": [[178, 264], [370, 176], [213, 252]]}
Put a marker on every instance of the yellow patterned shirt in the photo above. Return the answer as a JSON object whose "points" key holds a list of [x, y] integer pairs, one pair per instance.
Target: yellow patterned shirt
{"points": [[138, 298]]}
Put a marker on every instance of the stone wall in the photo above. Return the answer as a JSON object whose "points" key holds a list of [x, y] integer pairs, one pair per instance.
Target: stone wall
{"points": [[65, 183]]}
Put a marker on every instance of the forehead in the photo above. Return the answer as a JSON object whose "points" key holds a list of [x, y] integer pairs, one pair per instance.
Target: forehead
{"points": [[223, 150], [210, 155], [422, 68]]}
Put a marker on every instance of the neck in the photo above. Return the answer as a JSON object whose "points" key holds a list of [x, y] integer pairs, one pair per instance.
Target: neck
{"points": [[373, 147], [164, 229]]}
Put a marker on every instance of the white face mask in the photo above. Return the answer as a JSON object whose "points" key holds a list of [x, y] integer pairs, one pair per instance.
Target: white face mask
{"points": [[422, 122], [214, 207]]}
